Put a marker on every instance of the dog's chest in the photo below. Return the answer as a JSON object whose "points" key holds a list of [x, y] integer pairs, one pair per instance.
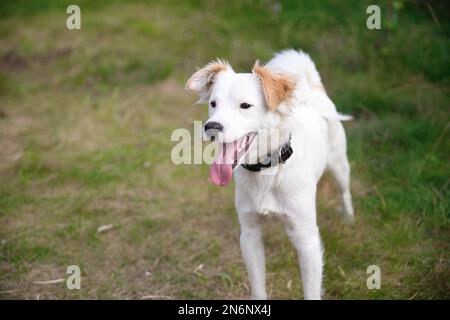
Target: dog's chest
{"points": [[259, 193]]}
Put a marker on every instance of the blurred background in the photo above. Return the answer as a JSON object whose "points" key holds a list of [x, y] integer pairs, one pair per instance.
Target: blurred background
{"points": [[85, 171]]}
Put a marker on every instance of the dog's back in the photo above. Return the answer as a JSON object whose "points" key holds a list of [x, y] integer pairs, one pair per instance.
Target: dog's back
{"points": [[297, 64]]}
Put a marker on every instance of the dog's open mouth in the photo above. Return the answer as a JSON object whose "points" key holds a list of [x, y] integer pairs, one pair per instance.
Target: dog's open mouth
{"points": [[227, 158]]}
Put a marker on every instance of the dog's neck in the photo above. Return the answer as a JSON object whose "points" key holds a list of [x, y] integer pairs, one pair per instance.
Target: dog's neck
{"points": [[269, 141], [273, 158]]}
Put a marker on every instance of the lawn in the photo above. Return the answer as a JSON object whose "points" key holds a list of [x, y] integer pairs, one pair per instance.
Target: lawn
{"points": [[86, 118]]}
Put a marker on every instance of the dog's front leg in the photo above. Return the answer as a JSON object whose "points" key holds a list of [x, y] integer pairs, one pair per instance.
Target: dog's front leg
{"points": [[252, 247], [304, 235]]}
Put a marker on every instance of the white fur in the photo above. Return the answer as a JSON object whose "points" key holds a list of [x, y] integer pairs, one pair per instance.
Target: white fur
{"points": [[289, 189]]}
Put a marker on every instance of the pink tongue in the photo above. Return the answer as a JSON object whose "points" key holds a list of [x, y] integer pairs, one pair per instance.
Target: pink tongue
{"points": [[221, 170]]}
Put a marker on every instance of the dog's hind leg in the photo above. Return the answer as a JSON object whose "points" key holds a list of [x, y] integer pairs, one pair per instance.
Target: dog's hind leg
{"points": [[339, 167], [252, 248]]}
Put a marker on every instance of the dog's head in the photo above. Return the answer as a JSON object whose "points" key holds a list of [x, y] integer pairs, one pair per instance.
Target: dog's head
{"points": [[240, 105]]}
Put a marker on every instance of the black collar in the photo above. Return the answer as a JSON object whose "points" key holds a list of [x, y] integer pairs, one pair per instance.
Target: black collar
{"points": [[284, 153]]}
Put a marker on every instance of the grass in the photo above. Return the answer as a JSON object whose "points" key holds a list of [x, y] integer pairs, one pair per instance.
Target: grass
{"points": [[85, 124]]}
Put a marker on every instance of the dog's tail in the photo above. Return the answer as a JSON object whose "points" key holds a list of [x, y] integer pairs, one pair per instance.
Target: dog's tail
{"points": [[344, 117]]}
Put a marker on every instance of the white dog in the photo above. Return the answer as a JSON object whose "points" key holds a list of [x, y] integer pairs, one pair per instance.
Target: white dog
{"points": [[278, 131]]}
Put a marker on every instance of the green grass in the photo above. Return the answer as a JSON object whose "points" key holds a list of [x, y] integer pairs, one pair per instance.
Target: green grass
{"points": [[85, 124]]}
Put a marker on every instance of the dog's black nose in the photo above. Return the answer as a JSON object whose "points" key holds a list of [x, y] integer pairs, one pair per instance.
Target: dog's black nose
{"points": [[213, 125]]}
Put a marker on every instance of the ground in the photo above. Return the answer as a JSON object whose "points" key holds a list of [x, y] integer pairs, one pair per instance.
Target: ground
{"points": [[85, 123]]}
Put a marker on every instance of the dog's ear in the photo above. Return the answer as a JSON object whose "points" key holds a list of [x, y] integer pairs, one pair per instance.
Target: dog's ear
{"points": [[277, 88], [202, 81]]}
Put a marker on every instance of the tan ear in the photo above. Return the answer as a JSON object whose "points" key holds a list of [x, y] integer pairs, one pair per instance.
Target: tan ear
{"points": [[277, 87], [201, 81]]}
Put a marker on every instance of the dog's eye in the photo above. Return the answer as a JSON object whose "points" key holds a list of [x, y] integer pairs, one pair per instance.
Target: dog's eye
{"points": [[245, 105], [213, 104]]}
